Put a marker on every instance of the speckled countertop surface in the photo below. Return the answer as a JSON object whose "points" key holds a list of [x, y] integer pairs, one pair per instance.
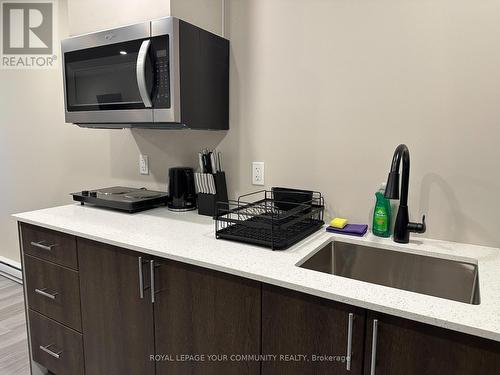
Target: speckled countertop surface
{"points": [[189, 238]]}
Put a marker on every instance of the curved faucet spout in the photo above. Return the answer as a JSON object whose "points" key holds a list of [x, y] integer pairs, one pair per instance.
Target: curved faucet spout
{"points": [[392, 188], [403, 226]]}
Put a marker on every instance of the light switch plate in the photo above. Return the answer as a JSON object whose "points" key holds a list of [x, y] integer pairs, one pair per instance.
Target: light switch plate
{"points": [[143, 164], [258, 173]]}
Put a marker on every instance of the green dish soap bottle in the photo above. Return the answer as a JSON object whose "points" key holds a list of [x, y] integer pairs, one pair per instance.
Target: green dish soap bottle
{"points": [[382, 214]]}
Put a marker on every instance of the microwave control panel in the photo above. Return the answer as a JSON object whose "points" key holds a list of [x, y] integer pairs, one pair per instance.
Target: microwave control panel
{"points": [[162, 89]]}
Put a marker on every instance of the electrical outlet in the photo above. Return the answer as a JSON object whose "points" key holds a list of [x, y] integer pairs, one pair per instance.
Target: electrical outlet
{"points": [[258, 173], [143, 164]]}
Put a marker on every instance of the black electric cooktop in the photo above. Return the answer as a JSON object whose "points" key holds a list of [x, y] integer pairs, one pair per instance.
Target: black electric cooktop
{"points": [[122, 198]]}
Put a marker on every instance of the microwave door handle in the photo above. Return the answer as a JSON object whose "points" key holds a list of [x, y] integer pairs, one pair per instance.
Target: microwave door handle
{"points": [[141, 73]]}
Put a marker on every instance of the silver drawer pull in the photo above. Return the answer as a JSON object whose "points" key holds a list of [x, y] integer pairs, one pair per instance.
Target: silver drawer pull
{"points": [[349, 341], [44, 293], [141, 279], [41, 245], [142, 288], [152, 275], [50, 352], [374, 346]]}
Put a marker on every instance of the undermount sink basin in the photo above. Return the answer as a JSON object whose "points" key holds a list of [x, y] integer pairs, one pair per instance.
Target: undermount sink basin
{"points": [[453, 280]]}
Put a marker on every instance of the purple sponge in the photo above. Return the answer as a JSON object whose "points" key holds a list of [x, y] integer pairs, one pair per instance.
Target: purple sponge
{"points": [[358, 230]]}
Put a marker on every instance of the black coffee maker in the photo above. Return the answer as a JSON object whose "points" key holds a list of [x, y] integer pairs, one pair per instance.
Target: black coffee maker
{"points": [[181, 191]]}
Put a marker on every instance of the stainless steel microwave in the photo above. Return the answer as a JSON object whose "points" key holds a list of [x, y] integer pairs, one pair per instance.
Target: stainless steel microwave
{"points": [[164, 73]]}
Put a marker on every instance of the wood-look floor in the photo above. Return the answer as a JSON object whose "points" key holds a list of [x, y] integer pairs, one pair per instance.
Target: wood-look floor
{"points": [[13, 339]]}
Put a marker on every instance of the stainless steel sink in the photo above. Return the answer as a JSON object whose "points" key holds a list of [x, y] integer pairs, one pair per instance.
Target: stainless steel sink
{"points": [[454, 280]]}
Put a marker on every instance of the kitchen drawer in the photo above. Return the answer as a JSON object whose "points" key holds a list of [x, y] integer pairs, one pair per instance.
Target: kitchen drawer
{"points": [[55, 347], [53, 291], [50, 245]]}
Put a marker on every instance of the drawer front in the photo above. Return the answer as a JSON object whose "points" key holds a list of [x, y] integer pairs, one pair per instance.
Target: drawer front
{"points": [[55, 347], [53, 291], [50, 245]]}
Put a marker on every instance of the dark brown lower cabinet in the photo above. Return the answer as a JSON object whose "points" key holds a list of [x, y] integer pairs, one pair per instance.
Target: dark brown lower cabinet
{"points": [[146, 316], [187, 320], [205, 321], [403, 346], [117, 323], [296, 325], [55, 346]]}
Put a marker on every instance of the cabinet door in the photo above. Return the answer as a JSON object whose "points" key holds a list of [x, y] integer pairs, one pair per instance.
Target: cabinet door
{"points": [[407, 347], [309, 335], [199, 312], [117, 324]]}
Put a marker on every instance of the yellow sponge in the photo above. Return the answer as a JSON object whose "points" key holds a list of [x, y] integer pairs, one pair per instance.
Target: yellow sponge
{"points": [[338, 222]]}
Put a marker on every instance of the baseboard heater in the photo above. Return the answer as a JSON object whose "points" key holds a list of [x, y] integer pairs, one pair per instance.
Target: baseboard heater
{"points": [[11, 270]]}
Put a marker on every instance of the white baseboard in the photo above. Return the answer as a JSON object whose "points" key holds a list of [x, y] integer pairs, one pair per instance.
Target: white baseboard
{"points": [[11, 269]]}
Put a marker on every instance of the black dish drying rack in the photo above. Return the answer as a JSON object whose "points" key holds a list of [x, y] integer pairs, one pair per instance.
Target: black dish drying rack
{"points": [[276, 219]]}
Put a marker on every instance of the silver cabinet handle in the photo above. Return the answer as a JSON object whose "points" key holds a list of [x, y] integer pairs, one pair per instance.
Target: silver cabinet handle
{"points": [[141, 280], [349, 341], [50, 352], [40, 244], [152, 273], [141, 73], [374, 346], [44, 293]]}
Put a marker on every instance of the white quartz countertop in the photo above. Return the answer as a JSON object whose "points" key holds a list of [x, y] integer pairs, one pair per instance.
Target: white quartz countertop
{"points": [[189, 237]]}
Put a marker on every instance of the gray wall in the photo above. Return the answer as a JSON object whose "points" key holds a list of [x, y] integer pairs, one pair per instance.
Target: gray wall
{"points": [[42, 158], [322, 91]]}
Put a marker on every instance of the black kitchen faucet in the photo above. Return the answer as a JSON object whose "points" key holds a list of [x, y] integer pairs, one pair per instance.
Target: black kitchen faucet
{"points": [[403, 226]]}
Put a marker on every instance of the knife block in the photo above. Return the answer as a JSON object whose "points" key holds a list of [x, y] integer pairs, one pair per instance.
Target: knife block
{"points": [[207, 203]]}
